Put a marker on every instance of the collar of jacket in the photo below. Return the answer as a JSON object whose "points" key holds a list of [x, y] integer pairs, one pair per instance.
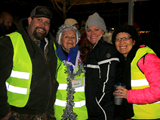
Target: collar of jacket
{"points": [[22, 27], [71, 56], [97, 42]]}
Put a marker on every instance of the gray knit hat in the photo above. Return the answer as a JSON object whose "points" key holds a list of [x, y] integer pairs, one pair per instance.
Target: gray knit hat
{"points": [[67, 27], [95, 20]]}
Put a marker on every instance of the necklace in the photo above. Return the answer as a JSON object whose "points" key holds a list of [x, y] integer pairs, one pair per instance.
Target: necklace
{"points": [[68, 111]]}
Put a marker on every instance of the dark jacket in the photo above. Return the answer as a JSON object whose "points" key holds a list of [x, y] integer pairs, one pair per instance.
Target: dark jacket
{"points": [[100, 78], [43, 84], [2, 31]]}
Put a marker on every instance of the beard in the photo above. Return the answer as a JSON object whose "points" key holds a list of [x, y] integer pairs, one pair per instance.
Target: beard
{"points": [[39, 36], [4, 26]]}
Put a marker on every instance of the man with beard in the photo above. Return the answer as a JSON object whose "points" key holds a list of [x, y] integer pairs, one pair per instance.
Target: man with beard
{"points": [[28, 68], [6, 20]]}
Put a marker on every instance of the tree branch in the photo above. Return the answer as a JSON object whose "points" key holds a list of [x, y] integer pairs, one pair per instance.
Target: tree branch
{"points": [[56, 9], [73, 4], [57, 5]]}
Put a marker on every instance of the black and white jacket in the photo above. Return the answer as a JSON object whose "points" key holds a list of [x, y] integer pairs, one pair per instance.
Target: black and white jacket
{"points": [[99, 81]]}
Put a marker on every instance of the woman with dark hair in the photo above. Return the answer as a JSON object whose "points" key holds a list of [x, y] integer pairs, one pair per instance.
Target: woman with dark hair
{"points": [[139, 70]]}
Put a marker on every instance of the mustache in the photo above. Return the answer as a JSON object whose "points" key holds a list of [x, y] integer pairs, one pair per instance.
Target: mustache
{"points": [[41, 28], [39, 36]]}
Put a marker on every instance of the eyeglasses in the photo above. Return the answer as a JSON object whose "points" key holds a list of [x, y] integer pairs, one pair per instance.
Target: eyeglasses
{"points": [[123, 38]]}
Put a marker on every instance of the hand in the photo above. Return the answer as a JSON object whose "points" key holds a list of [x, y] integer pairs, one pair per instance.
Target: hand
{"points": [[6, 117], [121, 92]]}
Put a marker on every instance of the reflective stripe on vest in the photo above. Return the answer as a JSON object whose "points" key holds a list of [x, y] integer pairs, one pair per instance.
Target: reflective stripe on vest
{"points": [[64, 87], [61, 96], [21, 75], [18, 84], [139, 81], [14, 89], [76, 104]]}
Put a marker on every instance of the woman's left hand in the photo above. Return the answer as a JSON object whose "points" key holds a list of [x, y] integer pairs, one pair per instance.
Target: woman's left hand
{"points": [[121, 92]]}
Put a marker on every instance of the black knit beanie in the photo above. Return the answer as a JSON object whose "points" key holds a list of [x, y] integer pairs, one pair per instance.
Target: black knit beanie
{"points": [[128, 29]]}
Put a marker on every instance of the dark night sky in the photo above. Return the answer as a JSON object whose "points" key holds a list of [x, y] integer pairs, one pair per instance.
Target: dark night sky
{"points": [[145, 13]]}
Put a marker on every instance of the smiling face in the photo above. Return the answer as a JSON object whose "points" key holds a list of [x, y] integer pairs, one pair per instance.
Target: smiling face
{"points": [[38, 27], [122, 46], [6, 21], [68, 40], [94, 33]]}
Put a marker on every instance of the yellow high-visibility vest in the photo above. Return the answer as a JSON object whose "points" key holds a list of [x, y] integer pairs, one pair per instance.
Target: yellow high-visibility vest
{"points": [[18, 84], [61, 96], [139, 81]]}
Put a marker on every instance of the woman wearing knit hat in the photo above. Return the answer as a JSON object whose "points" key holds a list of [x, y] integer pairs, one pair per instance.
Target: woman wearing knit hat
{"points": [[139, 70], [70, 97], [100, 71]]}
